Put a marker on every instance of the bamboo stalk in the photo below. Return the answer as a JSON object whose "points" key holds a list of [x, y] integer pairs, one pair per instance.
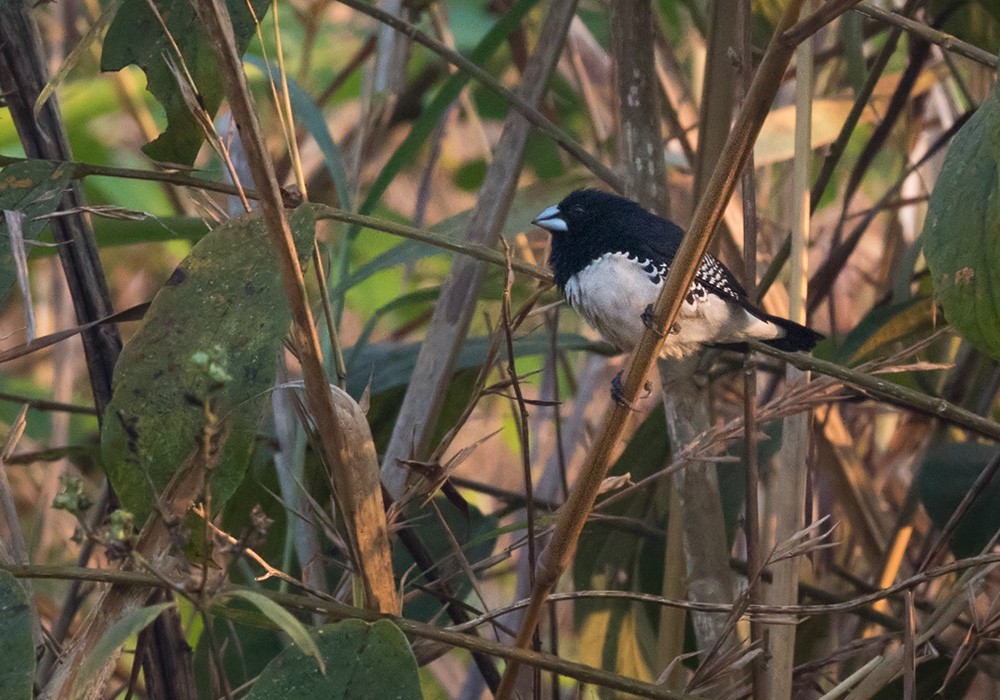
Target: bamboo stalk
{"points": [[787, 484]]}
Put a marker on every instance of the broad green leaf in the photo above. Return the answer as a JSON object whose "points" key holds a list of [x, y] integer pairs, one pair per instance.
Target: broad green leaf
{"points": [[17, 648], [136, 36], [363, 660], [285, 621], [210, 337], [34, 188], [130, 624], [962, 231], [948, 471]]}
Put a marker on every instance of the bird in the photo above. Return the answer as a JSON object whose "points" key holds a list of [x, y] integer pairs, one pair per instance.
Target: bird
{"points": [[610, 256]]}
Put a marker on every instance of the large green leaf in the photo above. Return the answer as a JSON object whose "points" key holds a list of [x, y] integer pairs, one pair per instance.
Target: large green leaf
{"points": [[17, 649], [33, 188], [962, 231], [362, 661], [136, 36], [948, 472], [210, 335]]}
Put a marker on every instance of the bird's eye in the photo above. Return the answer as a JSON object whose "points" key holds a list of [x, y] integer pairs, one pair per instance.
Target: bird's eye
{"points": [[577, 210]]}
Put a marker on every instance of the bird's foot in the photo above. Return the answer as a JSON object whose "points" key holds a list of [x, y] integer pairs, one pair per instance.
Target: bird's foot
{"points": [[617, 392], [649, 321]]}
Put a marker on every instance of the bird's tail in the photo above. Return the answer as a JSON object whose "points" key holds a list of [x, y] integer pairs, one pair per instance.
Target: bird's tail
{"points": [[796, 337]]}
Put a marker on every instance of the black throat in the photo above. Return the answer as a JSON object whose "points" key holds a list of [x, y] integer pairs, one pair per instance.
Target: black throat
{"points": [[623, 228]]}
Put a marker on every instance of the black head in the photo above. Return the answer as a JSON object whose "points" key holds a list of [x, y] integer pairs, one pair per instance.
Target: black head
{"points": [[586, 212], [589, 223]]}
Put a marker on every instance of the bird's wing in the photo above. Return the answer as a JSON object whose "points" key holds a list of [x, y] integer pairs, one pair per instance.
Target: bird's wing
{"points": [[660, 245]]}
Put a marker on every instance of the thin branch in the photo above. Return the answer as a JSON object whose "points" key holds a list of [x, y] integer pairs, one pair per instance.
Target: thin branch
{"points": [[935, 36], [887, 391]]}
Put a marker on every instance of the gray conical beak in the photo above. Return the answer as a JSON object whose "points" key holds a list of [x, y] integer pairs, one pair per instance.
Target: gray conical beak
{"points": [[551, 220]]}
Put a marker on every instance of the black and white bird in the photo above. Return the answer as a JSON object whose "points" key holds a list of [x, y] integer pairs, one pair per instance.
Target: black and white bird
{"points": [[610, 257]]}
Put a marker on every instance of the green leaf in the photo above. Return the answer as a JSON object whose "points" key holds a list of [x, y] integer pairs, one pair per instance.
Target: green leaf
{"points": [[128, 625], [136, 36], [34, 188], [210, 337], [284, 620], [885, 326], [363, 661], [948, 472], [17, 648], [962, 230]]}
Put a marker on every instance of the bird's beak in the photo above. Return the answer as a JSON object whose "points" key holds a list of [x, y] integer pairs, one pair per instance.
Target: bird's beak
{"points": [[551, 220]]}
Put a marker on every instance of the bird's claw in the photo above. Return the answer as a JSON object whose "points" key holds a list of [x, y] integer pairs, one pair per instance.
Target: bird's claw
{"points": [[649, 320], [617, 392]]}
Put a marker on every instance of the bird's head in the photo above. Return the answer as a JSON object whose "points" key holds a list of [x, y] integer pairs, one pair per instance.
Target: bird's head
{"points": [[579, 211]]}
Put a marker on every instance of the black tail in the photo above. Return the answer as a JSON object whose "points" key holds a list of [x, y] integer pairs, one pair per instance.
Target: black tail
{"points": [[797, 337]]}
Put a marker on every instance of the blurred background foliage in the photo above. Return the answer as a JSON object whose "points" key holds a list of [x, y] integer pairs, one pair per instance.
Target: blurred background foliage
{"points": [[890, 478]]}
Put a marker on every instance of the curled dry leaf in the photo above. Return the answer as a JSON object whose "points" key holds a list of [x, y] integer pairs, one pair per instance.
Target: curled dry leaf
{"points": [[359, 498], [613, 483]]}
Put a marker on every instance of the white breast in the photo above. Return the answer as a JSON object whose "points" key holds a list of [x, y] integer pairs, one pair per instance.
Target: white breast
{"points": [[613, 292]]}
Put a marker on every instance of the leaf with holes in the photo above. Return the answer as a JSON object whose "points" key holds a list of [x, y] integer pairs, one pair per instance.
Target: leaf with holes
{"points": [[196, 373], [172, 48], [962, 231]]}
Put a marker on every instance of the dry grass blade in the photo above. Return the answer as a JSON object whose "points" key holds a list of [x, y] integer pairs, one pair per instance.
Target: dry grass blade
{"points": [[18, 548], [13, 221], [134, 313]]}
